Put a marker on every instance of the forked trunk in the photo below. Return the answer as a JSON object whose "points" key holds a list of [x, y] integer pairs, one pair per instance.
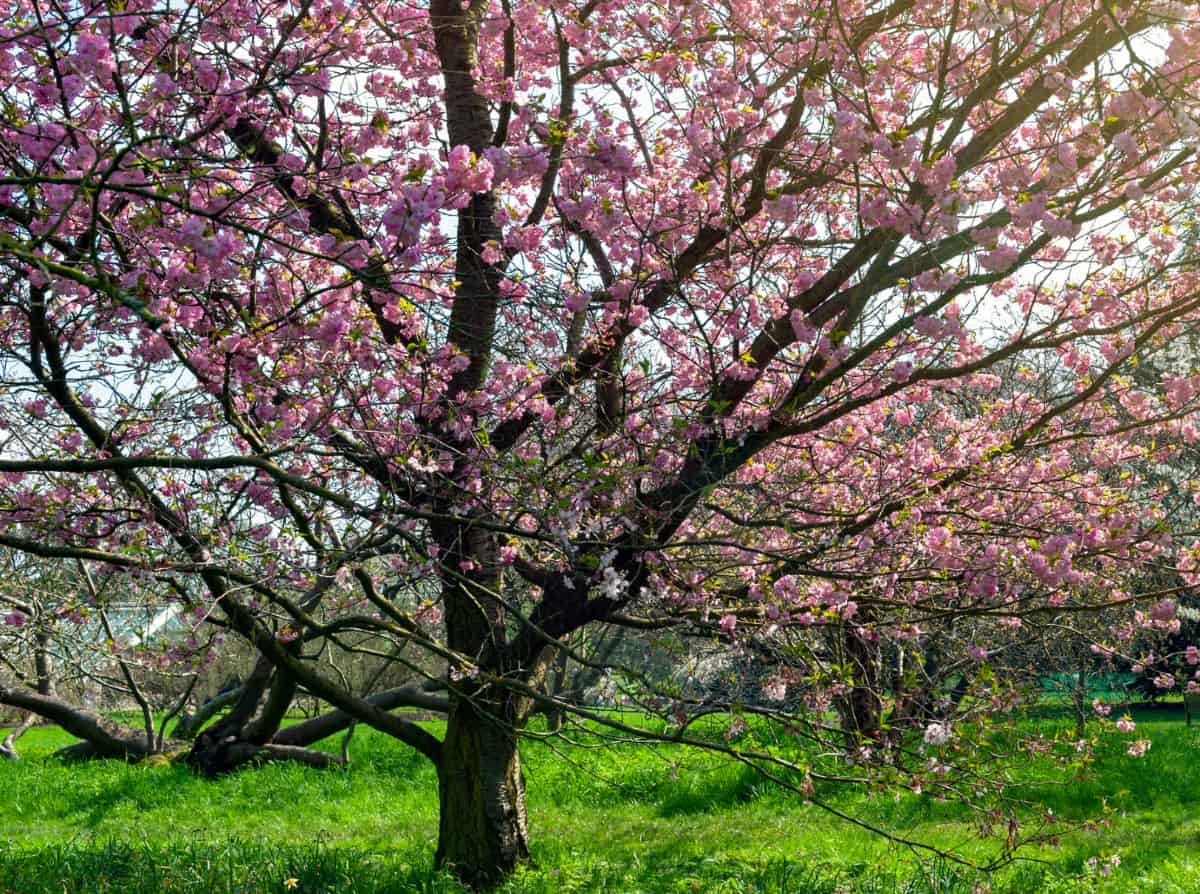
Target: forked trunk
{"points": [[482, 835]]}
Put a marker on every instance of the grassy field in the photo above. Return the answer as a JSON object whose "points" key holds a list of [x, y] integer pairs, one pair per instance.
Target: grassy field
{"points": [[603, 820]]}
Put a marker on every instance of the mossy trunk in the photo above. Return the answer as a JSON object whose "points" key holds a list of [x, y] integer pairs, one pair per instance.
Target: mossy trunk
{"points": [[483, 834]]}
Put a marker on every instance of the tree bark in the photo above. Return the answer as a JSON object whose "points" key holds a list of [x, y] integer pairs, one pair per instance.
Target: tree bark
{"points": [[251, 733], [483, 832], [1080, 693], [862, 707], [107, 738], [8, 749], [43, 664], [44, 673], [237, 739], [421, 695], [190, 724], [556, 716]]}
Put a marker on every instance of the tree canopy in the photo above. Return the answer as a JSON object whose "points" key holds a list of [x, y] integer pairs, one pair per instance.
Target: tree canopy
{"points": [[441, 332]]}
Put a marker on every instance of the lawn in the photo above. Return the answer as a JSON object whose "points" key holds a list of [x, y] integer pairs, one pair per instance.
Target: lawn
{"points": [[619, 819]]}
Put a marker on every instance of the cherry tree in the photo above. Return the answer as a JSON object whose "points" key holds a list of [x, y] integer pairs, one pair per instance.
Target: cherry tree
{"points": [[453, 329]]}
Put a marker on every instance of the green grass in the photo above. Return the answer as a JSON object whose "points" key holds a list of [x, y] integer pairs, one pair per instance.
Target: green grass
{"points": [[620, 819]]}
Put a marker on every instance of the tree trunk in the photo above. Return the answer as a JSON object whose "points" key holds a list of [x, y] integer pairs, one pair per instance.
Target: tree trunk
{"points": [[252, 732], [228, 743], [482, 834], [189, 725], [105, 737], [43, 664], [558, 678], [8, 748], [419, 695], [862, 707], [1080, 694], [44, 673]]}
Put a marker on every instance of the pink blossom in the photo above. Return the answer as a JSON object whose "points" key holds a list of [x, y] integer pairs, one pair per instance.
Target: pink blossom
{"points": [[92, 55], [1138, 748], [1126, 143], [466, 172], [783, 209], [1163, 611]]}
